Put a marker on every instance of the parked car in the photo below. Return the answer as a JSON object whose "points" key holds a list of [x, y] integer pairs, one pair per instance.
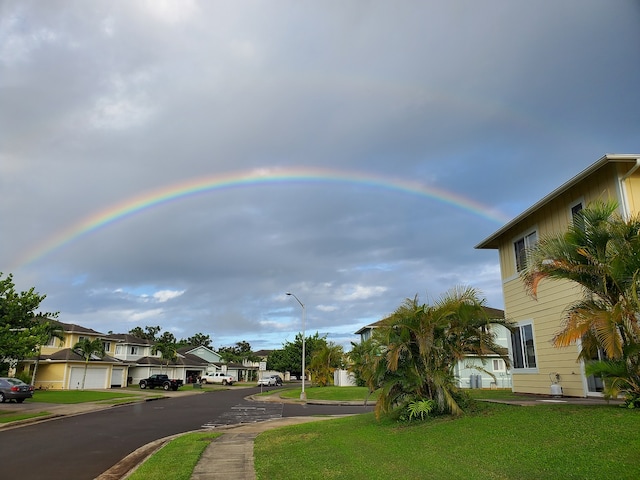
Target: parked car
{"points": [[162, 381], [14, 389], [271, 380], [267, 381], [218, 377]]}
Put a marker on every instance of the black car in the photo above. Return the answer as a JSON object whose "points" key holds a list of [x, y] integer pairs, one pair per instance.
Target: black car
{"points": [[278, 379], [14, 389]]}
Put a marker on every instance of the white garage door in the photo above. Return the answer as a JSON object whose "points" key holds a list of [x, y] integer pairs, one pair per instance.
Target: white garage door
{"points": [[116, 377], [96, 378]]}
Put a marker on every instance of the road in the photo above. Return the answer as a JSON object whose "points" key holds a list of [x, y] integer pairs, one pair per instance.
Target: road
{"points": [[84, 446]]}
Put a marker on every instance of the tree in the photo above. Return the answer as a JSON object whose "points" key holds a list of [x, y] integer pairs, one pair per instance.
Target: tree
{"points": [[197, 340], [413, 353], [361, 355], [47, 332], [238, 353], [19, 321], [289, 358], [167, 337], [88, 348], [167, 350], [324, 361], [149, 333], [600, 252]]}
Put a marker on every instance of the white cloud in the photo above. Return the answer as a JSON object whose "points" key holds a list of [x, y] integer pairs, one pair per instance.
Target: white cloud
{"points": [[171, 11], [360, 292], [143, 316], [125, 105], [166, 295], [327, 308]]}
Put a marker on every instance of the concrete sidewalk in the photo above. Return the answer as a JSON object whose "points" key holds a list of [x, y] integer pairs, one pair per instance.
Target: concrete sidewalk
{"points": [[231, 455]]}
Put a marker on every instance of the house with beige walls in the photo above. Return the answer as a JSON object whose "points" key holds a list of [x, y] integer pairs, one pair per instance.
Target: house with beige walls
{"points": [[538, 366], [127, 360], [61, 368]]}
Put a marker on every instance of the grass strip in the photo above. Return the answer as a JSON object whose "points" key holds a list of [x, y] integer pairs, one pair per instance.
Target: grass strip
{"points": [[8, 417], [78, 396], [338, 394], [175, 460]]}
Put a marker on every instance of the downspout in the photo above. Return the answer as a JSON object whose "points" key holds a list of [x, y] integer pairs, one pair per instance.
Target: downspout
{"points": [[623, 190]]}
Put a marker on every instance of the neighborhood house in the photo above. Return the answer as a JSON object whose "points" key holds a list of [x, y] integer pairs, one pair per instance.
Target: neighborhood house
{"points": [[538, 366], [127, 360]]}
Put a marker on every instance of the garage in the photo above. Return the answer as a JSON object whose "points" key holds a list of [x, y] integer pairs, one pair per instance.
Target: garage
{"points": [[96, 378], [116, 377]]}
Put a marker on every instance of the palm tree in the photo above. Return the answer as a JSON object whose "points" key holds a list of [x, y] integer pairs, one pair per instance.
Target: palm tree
{"points": [[359, 357], [324, 361], [600, 252], [414, 352], [167, 352], [47, 332], [88, 348]]}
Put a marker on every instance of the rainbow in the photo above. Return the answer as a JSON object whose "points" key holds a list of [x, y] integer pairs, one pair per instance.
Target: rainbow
{"points": [[182, 190]]}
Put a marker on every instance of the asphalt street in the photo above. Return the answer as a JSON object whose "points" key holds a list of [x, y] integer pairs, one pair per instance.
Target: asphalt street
{"points": [[84, 446]]}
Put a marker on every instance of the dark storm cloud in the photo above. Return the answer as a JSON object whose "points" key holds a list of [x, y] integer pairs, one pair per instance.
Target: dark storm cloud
{"points": [[105, 101]]}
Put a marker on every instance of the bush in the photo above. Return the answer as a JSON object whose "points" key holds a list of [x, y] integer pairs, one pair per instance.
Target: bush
{"points": [[24, 376], [632, 400]]}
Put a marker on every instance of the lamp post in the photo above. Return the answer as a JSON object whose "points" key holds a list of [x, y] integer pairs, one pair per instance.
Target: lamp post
{"points": [[303, 395]]}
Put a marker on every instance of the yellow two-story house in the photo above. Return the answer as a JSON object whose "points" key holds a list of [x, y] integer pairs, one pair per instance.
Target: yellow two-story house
{"points": [[59, 367], [538, 366]]}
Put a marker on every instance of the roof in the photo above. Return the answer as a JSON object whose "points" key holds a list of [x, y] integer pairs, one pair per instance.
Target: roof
{"points": [[370, 327], [68, 354], [491, 242], [191, 348], [186, 360], [73, 328], [263, 353], [128, 339]]}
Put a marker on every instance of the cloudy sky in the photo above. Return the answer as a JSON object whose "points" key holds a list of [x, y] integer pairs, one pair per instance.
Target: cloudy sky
{"points": [[185, 164]]}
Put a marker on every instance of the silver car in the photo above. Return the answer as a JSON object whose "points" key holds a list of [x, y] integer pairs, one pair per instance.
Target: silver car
{"points": [[267, 381], [14, 389]]}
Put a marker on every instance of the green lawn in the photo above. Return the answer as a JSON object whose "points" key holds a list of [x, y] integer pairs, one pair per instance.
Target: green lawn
{"points": [[8, 417], [81, 396], [498, 394], [496, 442], [339, 394]]}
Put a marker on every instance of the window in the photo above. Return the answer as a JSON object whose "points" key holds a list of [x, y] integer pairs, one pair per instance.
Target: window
{"points": [[578, 221], [522, 347], [521, 246], [54, 342], [107, 346], [498, 365], [134, 351]]}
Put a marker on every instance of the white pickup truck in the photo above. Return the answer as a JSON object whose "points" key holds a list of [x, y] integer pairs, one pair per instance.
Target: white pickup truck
{"points": [[218, 377]]}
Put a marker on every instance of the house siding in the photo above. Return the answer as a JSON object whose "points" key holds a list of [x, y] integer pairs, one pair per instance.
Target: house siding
{"points": [[546, 312], [51, 376]]}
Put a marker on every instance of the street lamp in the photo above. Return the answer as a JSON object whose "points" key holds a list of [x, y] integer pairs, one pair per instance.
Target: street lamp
{"points": [[303, 395]]}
